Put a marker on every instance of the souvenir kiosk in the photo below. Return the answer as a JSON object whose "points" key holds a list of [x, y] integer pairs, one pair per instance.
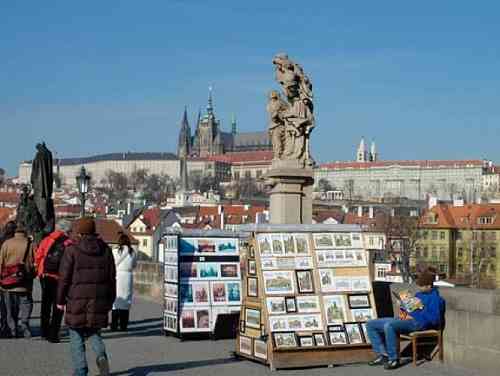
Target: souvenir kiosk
{"points": [[307, 296], [202, 279]]}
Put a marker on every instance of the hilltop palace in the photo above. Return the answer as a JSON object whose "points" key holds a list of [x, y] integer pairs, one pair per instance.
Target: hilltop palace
{"points": [[233, 155]]}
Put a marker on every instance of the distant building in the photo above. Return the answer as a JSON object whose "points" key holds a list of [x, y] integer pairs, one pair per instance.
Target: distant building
{"points": [[411, 179], [461, 241], [98, 167]]}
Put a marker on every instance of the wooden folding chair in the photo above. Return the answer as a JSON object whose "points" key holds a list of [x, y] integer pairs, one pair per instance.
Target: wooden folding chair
{"points": [[424, 338]]}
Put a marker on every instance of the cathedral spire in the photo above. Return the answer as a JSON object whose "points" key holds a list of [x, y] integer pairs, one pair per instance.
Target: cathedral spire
{"points": [[233, 124], [184, 145], [184, 122], [210, 108]]}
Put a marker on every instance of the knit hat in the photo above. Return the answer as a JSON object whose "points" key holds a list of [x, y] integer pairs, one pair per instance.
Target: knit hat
{"points": [[20, 227], [425, 279], [85, 226]]}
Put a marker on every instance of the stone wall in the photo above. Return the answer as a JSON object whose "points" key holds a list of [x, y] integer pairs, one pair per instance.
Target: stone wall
{"points": [[472, 334], [148, 280]]}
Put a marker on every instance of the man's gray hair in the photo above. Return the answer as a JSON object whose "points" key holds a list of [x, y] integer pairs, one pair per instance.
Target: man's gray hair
{"points": [[63, 225]]}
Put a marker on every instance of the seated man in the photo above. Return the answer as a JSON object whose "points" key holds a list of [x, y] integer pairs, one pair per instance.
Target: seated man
{"points": [[422, 312]]}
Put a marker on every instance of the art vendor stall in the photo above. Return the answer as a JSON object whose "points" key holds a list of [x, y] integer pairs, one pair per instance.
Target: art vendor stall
{"points": [[307, 296], [202, 279]]}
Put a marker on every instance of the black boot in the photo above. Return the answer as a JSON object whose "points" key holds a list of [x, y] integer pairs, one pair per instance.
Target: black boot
{"points": [[115, 317], [124, 316]]}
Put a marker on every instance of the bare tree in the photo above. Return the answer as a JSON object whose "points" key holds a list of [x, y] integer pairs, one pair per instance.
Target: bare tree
{"points": [[323, 185], [115, 185], [451, 189], [138, 179], [481, 254], [349, 188], [2, 176], [403, 230]]}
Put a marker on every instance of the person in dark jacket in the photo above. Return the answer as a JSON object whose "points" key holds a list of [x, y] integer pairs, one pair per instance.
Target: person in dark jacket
{"points": [[8, 232], [87, 290], [428, 313], [48, 257]]}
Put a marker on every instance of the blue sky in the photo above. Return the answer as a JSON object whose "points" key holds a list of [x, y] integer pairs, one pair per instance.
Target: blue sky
{"points": [[422, 78]]}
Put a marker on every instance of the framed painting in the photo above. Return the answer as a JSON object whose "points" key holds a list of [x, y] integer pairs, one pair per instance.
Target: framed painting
{"points": [[305, 283], [285, 340], [278, 282], [252, 318], [252, 287]]}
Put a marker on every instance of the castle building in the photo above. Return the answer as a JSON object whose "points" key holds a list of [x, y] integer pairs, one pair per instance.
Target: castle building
{"points": [[208, 138]]}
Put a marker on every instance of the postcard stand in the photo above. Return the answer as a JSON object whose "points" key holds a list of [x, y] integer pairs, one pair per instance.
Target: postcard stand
{"points": [[202, 280], [305, 298]]}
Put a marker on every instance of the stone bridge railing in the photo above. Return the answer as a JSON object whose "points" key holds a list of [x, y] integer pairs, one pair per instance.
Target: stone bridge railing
{"points": [[148, 280], [472, 333]]}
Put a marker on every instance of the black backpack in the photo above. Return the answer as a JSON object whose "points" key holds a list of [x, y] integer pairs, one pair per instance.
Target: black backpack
{"points": [[54, 256]]}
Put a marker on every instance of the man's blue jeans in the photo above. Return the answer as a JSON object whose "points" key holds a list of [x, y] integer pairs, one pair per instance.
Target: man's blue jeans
{"points": [[77, 344], [383, 334]]}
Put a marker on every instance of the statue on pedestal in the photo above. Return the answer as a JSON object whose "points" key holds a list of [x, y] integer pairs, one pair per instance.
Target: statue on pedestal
{"points": [[36, 211], [291, 121]]}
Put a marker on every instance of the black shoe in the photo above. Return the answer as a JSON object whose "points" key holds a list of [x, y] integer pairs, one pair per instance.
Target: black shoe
{"points": [[378, 361], [53, 340], [103, 365], [392, 364]]}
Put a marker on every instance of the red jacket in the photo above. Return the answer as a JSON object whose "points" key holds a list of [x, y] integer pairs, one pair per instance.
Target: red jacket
{"points": [[43, 249]]}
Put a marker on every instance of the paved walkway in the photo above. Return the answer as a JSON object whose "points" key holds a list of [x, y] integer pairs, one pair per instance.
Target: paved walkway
{"points": [[145, 351]]}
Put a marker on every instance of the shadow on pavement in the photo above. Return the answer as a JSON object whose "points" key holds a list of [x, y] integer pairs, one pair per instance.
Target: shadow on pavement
{"points": [[137, 331], [146, 370], [137, 322]]}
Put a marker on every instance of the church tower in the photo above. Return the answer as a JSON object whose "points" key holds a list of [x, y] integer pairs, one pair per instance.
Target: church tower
{"points": [[361, 155], [184, 144], [373, 152], [208, 136]]}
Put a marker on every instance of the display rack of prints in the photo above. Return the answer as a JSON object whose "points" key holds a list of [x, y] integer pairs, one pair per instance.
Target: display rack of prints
{"points": [[306, 298], [202, 279]]}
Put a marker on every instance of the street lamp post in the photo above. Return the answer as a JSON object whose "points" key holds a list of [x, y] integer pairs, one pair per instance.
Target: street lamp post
{"points": [[82, 181]]}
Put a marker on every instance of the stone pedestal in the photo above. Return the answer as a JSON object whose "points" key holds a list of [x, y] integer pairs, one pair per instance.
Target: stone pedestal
{"points": [[291, 193]]}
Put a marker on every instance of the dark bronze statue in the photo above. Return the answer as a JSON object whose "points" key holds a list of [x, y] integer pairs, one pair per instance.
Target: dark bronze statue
{"points": [[36, 211], [42, 181]]}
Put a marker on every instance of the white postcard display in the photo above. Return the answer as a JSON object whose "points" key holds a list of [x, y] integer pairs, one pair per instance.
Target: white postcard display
{"points": [[202, 279], [307, 297]]}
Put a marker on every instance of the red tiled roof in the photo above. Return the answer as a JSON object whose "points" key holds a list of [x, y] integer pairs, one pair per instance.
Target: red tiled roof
{"points": [[377, 223], [6, 214], [421, 164], [323, 215], [233, 214], [244, 157], [152, 217], [9, 197], [109, 231], [464, 217]]}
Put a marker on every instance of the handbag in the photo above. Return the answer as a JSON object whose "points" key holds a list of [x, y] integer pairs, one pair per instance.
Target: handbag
{"points": [[15, 275]]}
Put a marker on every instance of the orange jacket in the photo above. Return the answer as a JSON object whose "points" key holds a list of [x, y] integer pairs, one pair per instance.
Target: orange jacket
{"points": [[43, 249]]}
